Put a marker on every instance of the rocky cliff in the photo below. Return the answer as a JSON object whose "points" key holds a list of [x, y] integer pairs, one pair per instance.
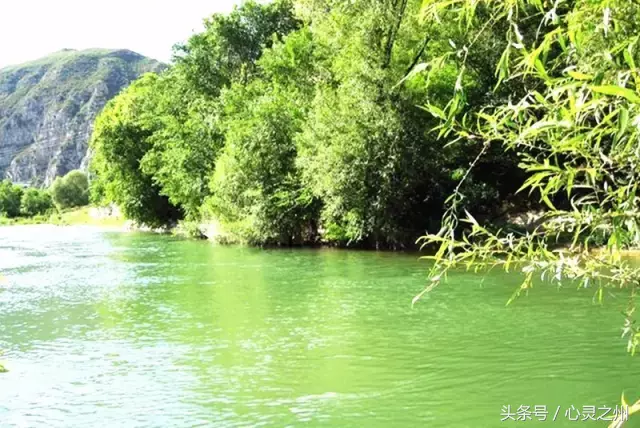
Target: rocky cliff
{"points": [[47, 109]]}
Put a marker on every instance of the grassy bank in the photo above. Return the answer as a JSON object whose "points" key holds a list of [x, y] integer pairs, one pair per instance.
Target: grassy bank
{"points": [[79, 216]]}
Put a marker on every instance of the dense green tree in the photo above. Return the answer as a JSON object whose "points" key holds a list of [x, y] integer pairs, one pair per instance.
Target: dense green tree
{"points": [[182, 149], [71, 191], [172, 142], [10, 196], [170, 124], [257, 189], [120, 140], [35, 202], [227, 50], [366, 149], [297, 122]]}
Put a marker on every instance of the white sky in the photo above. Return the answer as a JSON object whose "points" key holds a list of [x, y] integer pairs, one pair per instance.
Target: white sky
{"points": [[30, 29]]}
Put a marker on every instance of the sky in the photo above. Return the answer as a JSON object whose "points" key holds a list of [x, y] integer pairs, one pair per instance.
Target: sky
{"points": [[30, 29]]}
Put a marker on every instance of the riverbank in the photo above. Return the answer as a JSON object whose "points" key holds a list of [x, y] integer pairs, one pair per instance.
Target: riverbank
{"points": [[209, 230], [85, 216], [213, 231], [105, 217]]}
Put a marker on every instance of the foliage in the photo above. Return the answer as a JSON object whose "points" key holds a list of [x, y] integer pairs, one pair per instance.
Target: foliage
{"points": [[256, 187], [71, 191], [120, 140], [365, 149], [228, 48], [184, 144], [574, 126], [35, 202], [157, 143], [10, 197], [297, 122]]}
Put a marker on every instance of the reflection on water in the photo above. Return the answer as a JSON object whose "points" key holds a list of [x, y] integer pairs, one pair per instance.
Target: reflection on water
{"points": [[108, 329]]}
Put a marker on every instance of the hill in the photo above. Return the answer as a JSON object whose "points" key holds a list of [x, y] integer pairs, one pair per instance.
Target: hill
{"points": [[47, 108]]}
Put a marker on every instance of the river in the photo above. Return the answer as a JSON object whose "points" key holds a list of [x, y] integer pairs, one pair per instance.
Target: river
{"points": [[109, 329]]}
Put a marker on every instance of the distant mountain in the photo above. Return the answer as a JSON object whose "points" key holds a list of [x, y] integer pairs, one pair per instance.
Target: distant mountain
{"points": [[47, 109]]}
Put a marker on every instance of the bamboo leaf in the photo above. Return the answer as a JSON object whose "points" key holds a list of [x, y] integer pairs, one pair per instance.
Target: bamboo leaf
{"points": [[579, 76], [617, 91], [548, 202]]}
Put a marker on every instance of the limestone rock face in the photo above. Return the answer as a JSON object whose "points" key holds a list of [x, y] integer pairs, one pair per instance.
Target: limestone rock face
{"points": [[47, 109]]}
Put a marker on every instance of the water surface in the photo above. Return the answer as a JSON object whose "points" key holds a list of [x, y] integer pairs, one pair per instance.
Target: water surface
{"points": [[110, 329]]}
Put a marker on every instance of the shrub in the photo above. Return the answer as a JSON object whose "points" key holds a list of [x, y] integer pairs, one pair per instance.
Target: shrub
{"points": [[71, 191], [35, 202], [10, 196]]}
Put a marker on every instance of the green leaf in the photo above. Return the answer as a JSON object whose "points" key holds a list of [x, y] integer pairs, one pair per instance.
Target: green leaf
{"points": [[579, 76], [435, 111], [617, 91], [547, 201], [540, 67], [535, 180], [629, 59], [570, 178], [623, 122]]}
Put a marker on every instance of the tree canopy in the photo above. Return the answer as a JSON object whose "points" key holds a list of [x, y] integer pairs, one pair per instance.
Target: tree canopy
{"points": [[71, 191], [10, 197], [298, 122], [35, 202]]}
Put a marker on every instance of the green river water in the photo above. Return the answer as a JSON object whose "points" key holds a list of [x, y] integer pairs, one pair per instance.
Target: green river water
{"points": [[111, 329]]}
